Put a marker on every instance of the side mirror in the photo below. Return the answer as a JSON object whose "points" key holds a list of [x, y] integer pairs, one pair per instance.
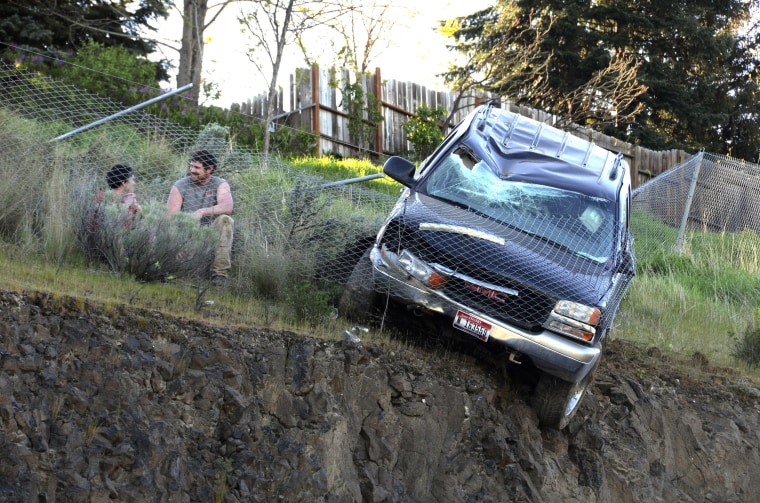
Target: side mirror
{"points": [[400, 170]]}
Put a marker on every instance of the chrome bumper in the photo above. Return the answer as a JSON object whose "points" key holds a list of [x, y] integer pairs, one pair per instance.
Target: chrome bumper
{"points": [[548, 351]]}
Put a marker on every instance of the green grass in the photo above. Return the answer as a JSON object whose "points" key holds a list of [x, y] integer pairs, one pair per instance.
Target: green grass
{"points": [[682, 303], [343, 169], [32, 274], [693, 301]]}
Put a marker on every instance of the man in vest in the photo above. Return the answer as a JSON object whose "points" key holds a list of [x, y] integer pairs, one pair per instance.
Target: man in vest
{"points": [[209, 199]]}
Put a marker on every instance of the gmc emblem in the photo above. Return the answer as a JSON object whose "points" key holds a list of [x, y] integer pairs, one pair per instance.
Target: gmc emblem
{"points": [[488, 292]]}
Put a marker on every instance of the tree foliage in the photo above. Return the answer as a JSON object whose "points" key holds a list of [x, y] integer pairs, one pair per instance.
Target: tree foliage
{"points": [[424, 131], [363, 110], [666, 74], [110, 71], [57, 29]]}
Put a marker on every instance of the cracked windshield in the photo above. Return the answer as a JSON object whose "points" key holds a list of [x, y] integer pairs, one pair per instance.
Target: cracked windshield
{"points": [[579, 223]]}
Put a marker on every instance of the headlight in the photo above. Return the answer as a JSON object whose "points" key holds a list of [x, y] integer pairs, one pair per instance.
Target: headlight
{"points": [[578, 311], [573, 319], [415, 267]]}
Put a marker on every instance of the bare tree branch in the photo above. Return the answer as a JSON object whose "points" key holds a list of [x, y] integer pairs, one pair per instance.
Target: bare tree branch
{"points": [[275, 24], [608, 93]]}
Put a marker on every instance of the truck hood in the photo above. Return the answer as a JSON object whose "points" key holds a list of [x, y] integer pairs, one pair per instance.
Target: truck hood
{"points": [[469, 243]]}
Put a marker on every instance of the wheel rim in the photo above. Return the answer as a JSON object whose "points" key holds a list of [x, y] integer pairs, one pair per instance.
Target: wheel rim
{"points": [[574, 400]]}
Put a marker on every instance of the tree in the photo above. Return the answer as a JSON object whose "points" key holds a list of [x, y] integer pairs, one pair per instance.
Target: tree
{"points": [[496, 65], [194, 24], [509, 52], [665, 74], [363, 109], [362, 30], [56, 29], [128, 77], [273, 26]]}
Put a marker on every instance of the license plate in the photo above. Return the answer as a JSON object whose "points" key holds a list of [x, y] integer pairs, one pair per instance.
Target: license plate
{"points": [[472, 325]]}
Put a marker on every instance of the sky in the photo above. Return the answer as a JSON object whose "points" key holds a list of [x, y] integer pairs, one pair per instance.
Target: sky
{"points": [[415, 52]]}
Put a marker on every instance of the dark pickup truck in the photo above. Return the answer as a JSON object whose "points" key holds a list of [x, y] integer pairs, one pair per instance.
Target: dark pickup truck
{"points": [[516, 233]]}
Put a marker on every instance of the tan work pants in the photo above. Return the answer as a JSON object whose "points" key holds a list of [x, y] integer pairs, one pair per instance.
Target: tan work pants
{"points": [[223, 225]]}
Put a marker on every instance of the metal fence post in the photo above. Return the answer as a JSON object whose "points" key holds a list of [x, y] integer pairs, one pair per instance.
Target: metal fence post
{"points": [[687, 208]]}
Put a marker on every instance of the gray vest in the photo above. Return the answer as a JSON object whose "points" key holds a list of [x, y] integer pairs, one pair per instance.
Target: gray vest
{"points": [[195, 197]]}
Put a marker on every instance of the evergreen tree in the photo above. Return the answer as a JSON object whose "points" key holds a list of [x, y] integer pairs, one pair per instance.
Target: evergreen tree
{"points": [[57, 29], [692, 58]]}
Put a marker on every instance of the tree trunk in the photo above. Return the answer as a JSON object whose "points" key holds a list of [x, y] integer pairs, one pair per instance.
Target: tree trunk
{"points": [[272, 95], [191, 52]]}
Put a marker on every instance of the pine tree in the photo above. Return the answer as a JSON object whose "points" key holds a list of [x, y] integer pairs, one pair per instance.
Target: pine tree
{"points": [[58, 28], [693, 67]]}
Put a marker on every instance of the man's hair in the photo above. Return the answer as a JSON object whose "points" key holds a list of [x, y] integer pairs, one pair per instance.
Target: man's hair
{"points": [[118, 175], [206, 158]]}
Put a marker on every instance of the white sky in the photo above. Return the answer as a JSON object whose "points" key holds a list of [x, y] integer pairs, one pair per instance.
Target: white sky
{"points": [[416, 52]]}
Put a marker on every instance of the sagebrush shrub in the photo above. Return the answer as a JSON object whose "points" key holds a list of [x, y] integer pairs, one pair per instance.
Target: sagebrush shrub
{"points": [[747, 346], [148, 246], [309, 303]]}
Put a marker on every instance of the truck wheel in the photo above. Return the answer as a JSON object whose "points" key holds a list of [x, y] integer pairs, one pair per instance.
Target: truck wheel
{"points": [[556, 401], [359, 297]]}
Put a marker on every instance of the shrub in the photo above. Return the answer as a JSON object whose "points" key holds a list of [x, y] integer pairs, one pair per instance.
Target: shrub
{"points": [[309, 303], [25, 165], [147, 246], [213, 137], [423, 131], [747, 346]]}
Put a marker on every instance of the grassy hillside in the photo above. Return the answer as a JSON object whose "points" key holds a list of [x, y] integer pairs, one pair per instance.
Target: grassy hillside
{"points": [[289, 231]]}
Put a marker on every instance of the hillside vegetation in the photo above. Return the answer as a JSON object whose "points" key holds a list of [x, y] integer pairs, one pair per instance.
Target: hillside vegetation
{"points": [[294, 244]]}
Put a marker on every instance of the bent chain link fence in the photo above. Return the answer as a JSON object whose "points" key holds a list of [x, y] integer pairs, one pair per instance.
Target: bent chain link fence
{"points": [[292, 230], [290, 227], [706, 197]]}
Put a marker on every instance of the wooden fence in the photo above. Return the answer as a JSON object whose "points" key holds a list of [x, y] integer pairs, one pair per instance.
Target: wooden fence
{"points": [[317, 105]]}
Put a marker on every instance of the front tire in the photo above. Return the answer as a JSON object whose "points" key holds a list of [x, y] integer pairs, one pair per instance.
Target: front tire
{"points": [[359, 296], [556, 401]]}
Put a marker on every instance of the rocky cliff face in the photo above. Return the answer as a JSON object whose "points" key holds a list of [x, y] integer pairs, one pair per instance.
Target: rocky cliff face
{"points": [[103, 405]]}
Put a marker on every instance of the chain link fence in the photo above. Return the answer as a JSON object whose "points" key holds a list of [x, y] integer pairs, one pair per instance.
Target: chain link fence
{"points": [[708, 193], [697, 241], [296, 234], [706, 197], [292, 230]]}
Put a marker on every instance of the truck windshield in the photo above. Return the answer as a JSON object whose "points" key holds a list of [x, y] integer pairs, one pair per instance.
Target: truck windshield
{"points": [[580, 223]]}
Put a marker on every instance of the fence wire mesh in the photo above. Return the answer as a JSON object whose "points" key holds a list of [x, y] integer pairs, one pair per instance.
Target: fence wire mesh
{"points": [[708, 201], [697, 241], [292, 230], [290, 227]]}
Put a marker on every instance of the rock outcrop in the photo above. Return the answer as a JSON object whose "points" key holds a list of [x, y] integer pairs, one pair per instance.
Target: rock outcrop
{"points": [[111, 404]]}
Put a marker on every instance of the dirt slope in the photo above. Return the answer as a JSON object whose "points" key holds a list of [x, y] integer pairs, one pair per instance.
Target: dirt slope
{"points": [[127, 405]]}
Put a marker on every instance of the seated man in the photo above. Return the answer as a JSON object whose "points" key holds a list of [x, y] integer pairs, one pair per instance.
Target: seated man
{"points": [[121, 182], [209, 199]]}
